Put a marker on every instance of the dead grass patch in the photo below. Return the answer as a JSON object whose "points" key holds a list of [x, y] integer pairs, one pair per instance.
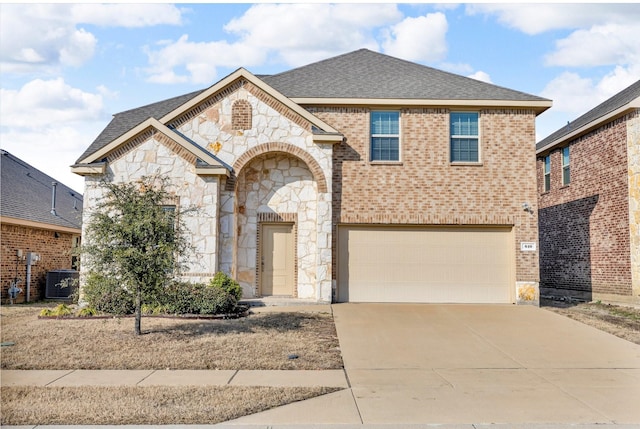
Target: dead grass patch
{"points": [[142, 405], [621, 321], [259, 341]]}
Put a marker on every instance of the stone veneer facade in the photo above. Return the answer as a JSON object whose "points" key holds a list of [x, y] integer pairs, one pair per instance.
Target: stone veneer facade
{"points": [[589, 234], [279, 175]]}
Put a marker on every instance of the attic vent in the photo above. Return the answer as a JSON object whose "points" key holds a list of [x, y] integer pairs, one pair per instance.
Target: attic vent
{"points": [[241, 115], [54, 289]]}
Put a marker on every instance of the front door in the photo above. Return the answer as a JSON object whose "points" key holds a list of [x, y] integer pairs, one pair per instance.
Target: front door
{"points": [[277, 260]]}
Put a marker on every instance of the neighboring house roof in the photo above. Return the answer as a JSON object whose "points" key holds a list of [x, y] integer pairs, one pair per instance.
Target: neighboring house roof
{"points": [[25, 196], [616, 106], [364, 74]]}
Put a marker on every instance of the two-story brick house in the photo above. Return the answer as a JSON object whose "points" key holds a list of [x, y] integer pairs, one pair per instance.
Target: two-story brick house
{"points": [[358, 178], [589, 203]]}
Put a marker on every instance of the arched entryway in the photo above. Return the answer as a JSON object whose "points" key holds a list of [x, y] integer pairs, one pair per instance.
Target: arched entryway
{"points": [[275, 215]]}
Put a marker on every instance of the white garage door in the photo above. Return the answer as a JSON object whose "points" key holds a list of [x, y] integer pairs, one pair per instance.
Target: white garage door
{"points": [[441, 265]]}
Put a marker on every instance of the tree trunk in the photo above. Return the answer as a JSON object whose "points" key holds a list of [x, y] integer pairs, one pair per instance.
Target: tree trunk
{"points": [[138, 328]]}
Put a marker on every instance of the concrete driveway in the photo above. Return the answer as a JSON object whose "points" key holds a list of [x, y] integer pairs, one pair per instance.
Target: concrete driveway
{"points": [[471, 366], [484, 364]]}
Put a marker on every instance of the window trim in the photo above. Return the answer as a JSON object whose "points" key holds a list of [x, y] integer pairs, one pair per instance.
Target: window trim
{"points": [[566, 168], [398, 136], [476, 137], [546, 173]]}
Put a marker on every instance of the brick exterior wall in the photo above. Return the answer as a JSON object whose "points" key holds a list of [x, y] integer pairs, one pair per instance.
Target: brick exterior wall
{"points": [[55, 253], [425, 188], [584, 226]]}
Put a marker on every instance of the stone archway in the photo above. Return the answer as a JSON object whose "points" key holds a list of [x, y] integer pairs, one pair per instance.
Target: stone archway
{"points": [[297, 152], [276, 187]]}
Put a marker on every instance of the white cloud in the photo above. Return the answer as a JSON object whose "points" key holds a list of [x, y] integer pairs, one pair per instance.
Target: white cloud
{"points": [[49, 124], [51, 151], [418, 39], [301, 33], [127, 15], [293, 34], [200, 60], [481, 76], [44, 37], [574, 94], [47, 103], [540, 17], [599, 45]]}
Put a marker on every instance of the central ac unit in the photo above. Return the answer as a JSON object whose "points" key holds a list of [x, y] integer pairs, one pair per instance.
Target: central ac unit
{"points": [[56, 288]]}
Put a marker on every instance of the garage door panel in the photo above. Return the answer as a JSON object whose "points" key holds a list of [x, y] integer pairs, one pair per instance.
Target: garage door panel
{"points": [[400, 264]]}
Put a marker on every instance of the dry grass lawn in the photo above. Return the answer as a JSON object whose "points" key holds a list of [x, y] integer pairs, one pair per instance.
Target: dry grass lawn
{"points": [[142, 405], [259, 341], [621, 321]]}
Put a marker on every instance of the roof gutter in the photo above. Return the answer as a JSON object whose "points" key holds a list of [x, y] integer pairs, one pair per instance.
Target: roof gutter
{"points": [[538, 106]]}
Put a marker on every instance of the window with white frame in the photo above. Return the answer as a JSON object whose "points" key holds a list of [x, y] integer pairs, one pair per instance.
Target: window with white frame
{"points": [[385, 136], [566, 170], [464, 133], [547, 173]]}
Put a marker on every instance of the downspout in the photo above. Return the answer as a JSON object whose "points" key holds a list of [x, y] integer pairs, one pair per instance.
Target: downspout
{"points": [[53, 198], [28, 276]]}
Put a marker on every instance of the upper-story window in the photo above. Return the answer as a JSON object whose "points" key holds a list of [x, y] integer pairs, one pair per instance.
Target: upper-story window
{"points": [[464, 137], [547, 173], [385, 136], [566, 170]]}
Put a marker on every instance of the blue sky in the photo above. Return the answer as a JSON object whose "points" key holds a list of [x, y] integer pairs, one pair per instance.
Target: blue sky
{"points": [[67, 67]]}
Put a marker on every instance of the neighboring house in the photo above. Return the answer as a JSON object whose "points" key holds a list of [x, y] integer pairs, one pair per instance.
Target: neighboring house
{"points": [[589, 203], [358, 178], [40, 227]]}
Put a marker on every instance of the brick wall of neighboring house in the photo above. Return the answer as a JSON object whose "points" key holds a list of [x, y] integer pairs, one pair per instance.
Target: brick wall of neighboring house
{"points": [[584, 226], [55, 253], [425, 188]]}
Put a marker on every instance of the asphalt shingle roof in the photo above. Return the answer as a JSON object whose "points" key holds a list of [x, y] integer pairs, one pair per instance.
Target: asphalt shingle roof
{"points": [[25, 193], [360, 74], [622, 98], [367, 74], [129, 119]]}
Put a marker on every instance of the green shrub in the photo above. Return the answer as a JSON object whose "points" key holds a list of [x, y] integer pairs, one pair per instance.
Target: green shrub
{"points": [[198, 298], [107, 296], [46, 312], [87, 312], [219, 296], [227, 284], [61, 310]]}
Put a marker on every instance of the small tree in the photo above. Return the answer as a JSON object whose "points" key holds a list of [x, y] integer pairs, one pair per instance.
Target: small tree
{"points": [[137, 239]]}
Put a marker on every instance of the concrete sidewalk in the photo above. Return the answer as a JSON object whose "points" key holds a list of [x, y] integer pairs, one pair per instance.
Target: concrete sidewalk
{"points": [[67, 378]]}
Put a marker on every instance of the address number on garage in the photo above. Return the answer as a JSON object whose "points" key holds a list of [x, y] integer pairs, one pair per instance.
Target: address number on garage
{"points": [[528, 246]]}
